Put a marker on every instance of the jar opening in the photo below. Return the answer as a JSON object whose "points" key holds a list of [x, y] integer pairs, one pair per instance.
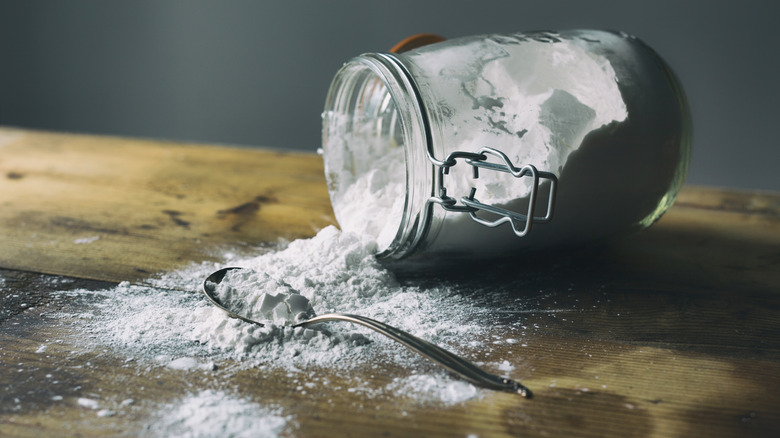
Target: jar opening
{"points": [[369, 131]]}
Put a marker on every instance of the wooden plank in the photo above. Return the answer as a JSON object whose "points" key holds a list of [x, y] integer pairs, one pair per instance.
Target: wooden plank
{"points": [[607, 360], [672, 332], [121, 209]]}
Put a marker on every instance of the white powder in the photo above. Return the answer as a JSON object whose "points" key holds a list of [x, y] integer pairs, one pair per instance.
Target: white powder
{"points": [[218, 414], [159, 326], [190, 363], [87, 403], [86, 240], [335, 272], [429, 389], [105, 413], [262, 298]]}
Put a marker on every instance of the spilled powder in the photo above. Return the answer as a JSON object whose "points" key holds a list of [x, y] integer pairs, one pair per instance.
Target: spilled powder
{"points": [[170, 323], [218, 414], [86, 240], [335, 271]]}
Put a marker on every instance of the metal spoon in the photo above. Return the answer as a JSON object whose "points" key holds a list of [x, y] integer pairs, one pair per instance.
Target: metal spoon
{"points": [[450, 361]]}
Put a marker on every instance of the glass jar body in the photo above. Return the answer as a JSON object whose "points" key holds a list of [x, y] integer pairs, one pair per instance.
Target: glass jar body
{"points": [[599, 111]]}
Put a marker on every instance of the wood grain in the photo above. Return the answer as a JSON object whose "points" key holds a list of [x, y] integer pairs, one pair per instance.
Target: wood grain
{"points": [[121, 209], [672, 332]]}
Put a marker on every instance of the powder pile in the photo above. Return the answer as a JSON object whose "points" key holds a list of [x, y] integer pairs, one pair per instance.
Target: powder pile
{"points": [[170, 324], [259, 297], [218, 414]]}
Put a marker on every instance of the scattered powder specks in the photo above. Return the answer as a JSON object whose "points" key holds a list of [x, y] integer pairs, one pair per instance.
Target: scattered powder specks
{"points": [[506, 367], [217, 414], [127, 402], [432, 389], [170, 324], [190, 363], [260, 297], [87, 403], [86, 240], [334, 271], [105, 413]]}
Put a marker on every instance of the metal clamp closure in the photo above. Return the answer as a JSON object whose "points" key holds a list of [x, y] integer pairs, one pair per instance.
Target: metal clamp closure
{"points": [[521, 222]]}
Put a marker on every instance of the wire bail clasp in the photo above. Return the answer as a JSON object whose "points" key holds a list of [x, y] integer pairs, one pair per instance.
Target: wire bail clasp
{"points": [[521, 222]]}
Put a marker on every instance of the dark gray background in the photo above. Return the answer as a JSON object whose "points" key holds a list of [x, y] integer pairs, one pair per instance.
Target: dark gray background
{"points": [[255, 73]]}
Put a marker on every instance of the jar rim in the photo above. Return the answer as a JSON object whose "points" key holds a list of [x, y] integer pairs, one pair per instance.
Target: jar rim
{"points": [[415, 221]]}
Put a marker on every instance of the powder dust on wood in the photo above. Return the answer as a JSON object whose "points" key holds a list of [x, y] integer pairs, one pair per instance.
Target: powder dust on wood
{"points": [[170, 324]]}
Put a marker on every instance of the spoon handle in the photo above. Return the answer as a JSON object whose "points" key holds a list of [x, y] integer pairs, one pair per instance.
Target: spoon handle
{"points": [[448, 360]]}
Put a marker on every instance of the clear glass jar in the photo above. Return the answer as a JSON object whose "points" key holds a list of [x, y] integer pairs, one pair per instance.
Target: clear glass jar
{"points": [[575, 136]]}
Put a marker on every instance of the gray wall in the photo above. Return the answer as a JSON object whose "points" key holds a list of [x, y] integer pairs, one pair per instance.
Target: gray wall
{"points": [[256, 72]]}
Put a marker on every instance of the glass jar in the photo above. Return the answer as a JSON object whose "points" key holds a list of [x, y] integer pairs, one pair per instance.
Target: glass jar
{"points": [[494, 144]]}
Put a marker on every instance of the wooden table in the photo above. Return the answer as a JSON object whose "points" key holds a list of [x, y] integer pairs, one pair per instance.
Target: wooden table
{"points": [[672, 332]]}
